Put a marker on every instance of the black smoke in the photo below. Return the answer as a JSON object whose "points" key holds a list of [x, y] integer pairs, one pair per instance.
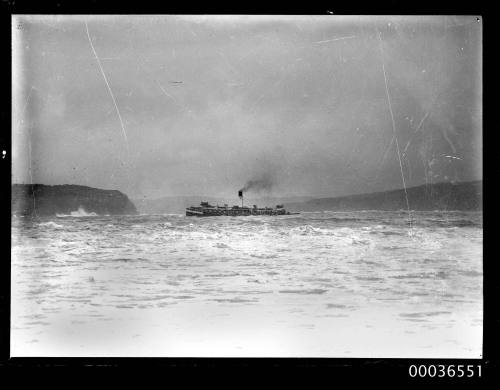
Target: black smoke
{"points": [[263, 183]]}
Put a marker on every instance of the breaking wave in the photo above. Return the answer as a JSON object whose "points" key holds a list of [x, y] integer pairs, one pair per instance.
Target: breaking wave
{"points": [[51, 224], [78, 213]]}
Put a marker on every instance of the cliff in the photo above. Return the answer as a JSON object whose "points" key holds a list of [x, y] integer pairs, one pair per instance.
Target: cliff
{"points": [[465, 196], [42, 200]]}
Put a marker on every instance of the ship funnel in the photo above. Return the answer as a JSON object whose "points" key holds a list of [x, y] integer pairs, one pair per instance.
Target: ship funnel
{"points": [[240, 194]]}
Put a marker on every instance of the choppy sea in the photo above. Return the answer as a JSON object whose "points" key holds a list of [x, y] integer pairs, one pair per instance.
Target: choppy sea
{"points": [[332, 284]]}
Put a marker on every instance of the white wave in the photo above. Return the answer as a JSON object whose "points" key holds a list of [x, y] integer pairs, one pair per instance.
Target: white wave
{"points": [[311, 230], [78, 213], [51, 224]]}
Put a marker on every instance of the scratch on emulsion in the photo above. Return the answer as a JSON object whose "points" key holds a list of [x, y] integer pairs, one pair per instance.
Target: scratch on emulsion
{"points": [[29, 148], [335, 39], [394, 128], [30, 157], [454, 157], [416, 131], [182, 106], [166, 93], [383, 158], [107, 85]]}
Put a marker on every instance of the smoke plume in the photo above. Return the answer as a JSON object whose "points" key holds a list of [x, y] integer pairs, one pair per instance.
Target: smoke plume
{"points": [[264, 183]]}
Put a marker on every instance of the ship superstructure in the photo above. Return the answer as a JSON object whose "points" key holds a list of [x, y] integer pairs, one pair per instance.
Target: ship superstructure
{"points": [[207, 210]]}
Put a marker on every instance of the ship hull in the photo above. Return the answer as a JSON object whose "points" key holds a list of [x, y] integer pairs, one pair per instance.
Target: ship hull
{"points": [[192, 212]]}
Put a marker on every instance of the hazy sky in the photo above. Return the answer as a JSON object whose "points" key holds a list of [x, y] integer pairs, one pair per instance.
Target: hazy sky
{"points": [[198, 105]]}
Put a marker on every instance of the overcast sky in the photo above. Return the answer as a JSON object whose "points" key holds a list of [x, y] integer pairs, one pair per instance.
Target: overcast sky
{"points": [[198, 105]]}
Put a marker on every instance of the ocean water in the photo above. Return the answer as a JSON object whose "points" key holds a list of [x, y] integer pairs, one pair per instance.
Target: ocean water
{"points": [[332, 284]]}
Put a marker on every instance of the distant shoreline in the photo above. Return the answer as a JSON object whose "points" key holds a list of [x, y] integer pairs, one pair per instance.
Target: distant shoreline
{"points": [[463, 196], [41, 199], [46, 200], [440, 196]]}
